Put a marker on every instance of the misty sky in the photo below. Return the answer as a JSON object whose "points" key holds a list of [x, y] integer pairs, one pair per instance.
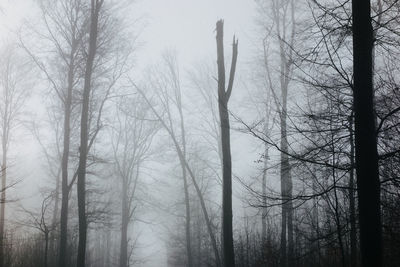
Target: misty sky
{"points": [[185, 25], [125, 144]]}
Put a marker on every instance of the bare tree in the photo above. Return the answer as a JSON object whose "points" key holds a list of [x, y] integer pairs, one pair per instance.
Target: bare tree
{"points": [[223, 97], [167, 122], [282, 26], [65, 35], [14, 93], [42, 222], [170, 95], [96, 6], [132, 137]]}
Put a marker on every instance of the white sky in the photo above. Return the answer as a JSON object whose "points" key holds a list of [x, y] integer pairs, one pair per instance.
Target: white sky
{"points": [[188, 25]]}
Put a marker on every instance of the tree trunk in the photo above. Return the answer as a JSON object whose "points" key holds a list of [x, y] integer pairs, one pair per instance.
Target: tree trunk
{"points": [[367, 170], [81, 186], [123, 258], [3, 193], [283, 252], [285, 64], [108, 248], [223, 98], [187, 216], [247, 242], [285, 169], [185, 188], [64, 166], [264, 201], [56, 210], [290, 211], [353, 229], [227, 229], [336, 209], [315, 222], [4, 144], [199, 231], [46, 248]]}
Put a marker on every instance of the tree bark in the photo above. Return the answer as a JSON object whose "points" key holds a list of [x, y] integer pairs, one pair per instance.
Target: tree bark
{"points": [[64, 164], [123, 258], [264, 201], [353, 228], [4, 145], [223, 98], [46, 248], [315, 222], [81, 184], [336, 210], [368, 184], [187, 215], [285, 173], [56, 210], [185, 186], [3, 188], [286, 58]]}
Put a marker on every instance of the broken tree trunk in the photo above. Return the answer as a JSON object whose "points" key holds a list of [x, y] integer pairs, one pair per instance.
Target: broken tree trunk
{"points": [[223, 98]]}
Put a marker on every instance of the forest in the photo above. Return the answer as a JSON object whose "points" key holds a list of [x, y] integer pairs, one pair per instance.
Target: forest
{"points": [[215, 133]]}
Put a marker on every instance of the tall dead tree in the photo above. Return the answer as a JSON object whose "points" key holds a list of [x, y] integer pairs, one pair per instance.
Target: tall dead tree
{"points": [[223, 98], [365, 137], [84, 135]]}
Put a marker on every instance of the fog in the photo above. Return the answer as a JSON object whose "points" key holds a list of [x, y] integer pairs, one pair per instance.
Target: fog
{"points": [[199, 133]]}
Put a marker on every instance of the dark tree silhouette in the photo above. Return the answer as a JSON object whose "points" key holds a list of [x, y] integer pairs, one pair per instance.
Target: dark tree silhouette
{"points": [[223, 98], [365, 138], [81, 188]]}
